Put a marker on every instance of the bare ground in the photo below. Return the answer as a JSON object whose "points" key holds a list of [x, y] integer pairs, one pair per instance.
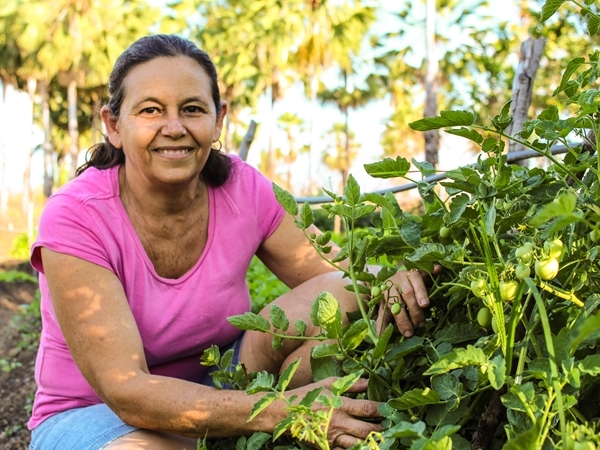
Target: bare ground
{"points": [[18, 347]]}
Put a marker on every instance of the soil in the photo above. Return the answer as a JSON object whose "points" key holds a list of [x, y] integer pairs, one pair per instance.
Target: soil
{"points": [[18, 347]]}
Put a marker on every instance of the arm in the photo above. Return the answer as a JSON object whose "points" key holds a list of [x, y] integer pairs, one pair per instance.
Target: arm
{"points": [[289, 255], [103, 338]]}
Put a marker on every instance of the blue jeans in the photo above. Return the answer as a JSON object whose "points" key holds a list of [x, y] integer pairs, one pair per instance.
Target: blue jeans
{"points": [[93, 427]]}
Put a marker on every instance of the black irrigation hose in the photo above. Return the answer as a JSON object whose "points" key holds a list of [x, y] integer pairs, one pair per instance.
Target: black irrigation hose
{"points": [[511, 158]]}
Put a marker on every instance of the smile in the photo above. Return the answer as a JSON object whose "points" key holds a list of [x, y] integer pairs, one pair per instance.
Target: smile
{"points": [[169, 151]]}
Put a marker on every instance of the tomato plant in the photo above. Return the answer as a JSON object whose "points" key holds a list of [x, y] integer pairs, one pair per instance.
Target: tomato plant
{"points": [[528, 378]]}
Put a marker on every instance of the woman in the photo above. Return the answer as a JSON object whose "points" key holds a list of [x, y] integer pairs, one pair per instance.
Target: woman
{"points": [[143, 257]]}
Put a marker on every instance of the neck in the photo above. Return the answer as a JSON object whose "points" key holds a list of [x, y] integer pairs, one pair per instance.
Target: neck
{"points": [[159, 200]]}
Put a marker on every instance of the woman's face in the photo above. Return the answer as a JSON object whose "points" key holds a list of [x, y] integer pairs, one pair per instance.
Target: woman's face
{"points": [[168, 121]]}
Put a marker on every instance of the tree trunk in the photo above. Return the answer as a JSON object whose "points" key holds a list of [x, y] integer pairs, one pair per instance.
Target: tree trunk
{"points": [[26, 197], [3, 184], [522, 88], [432, 137], [73, 127], [247, 141], [48, 147]]}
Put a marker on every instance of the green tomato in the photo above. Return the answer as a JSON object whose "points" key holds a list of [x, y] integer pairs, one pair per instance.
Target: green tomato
{"points": [[444, 232], [547, 268], [484, 317], [375, 291], [553, 248], [479, 287], [595, 236], [522, 271], [508, 290], [525, 253], [395, 308]]}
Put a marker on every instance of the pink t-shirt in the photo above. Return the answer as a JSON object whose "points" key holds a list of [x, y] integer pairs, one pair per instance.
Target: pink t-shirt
{"points": [[177, 318]]}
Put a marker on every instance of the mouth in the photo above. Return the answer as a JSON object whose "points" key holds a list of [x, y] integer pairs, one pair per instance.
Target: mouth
{"points": [[173, 151]]}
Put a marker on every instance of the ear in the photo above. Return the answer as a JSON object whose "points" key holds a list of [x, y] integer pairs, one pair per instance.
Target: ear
{"points": [[220, 121], [112, 127]]}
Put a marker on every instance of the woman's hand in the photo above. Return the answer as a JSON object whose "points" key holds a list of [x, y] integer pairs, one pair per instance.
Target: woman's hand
{"points": [[347, 426], [409, 290]]}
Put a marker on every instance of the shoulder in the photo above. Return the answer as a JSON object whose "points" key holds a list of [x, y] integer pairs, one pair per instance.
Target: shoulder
{"points": [[92, 184]]}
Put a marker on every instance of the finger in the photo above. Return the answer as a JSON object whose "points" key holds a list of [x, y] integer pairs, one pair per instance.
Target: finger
{"points": [[384, 317], [415, 297], [346, 441], [361, 384], [361, 408], [403, 323]]}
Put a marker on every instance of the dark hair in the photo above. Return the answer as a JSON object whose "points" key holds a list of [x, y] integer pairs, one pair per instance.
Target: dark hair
{"points": [[105, 155]]}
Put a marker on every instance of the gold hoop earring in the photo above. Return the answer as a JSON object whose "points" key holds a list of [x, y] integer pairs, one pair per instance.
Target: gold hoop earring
{"points": [[220, 145]]}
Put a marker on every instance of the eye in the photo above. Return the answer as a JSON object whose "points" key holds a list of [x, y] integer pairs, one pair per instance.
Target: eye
{"points": [[150, 110], [193, 109]]}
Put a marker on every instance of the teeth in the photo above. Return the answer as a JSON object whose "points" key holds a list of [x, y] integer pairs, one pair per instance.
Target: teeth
{"points": [[176, 152]]}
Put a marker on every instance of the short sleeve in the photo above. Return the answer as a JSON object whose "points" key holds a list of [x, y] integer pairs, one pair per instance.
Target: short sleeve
{"points": [[267, 210], [67, 227]]}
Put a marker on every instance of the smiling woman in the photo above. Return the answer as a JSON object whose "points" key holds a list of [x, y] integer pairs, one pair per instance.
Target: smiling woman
{"points": [[142, 259]]}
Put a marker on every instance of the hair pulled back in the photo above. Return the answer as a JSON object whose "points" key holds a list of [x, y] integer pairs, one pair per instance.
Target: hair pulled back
{"points": [[105, 155]]}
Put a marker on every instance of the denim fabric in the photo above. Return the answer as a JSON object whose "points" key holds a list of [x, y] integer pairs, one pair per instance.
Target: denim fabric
{"points": [[89, 428], [94, 427]]}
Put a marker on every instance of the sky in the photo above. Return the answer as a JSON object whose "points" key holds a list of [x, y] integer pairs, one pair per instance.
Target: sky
{"points": [[17, 135]]}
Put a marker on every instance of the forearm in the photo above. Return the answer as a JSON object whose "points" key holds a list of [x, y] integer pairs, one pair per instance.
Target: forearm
{"points": [[189, 409]]}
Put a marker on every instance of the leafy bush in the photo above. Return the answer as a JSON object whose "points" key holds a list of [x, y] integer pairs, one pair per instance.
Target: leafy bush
{"points": [[509, 357], [264, 286]]}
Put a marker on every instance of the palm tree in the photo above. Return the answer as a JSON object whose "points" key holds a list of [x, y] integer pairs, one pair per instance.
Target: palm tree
{"points": [[68, 39], [291, 124], [334, 34]]}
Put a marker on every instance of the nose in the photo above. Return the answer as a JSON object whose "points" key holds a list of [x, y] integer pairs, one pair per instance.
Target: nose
{"points": [[173, 127]]}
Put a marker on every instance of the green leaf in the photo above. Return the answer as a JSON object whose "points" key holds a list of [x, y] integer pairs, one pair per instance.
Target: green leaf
{"points": [[307, 215], [278, 318], [572, 66], [428, 252], [406, 429], [300, 327], [355, 334], [590, 365], [563, 205], [458, 206], [324, 368], [325, 350], [415, 397], [549, 8], [250, 321], [283, 426], [310, 397], [382, 342], [593, 24], [527, 439], [352, 191], [588, 329], [388, 168], [445, 119], [490, 220], [343, 384], [497, 372], [468, 133], [287, 374], [210, 356], [286, 200], [426, 168], [261, 404], [263, 382], [447, 385], [256, 441], [404, 348], [410, 231], [446, 430], [460, 357], [329, 314], [227, 358]]}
